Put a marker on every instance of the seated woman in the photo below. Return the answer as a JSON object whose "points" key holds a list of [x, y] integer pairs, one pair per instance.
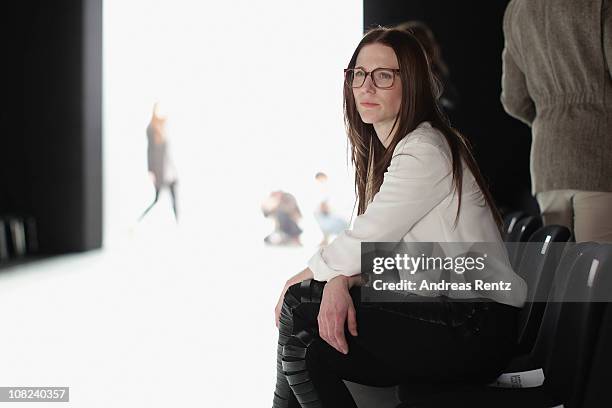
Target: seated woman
{"points": [[416, 181]]}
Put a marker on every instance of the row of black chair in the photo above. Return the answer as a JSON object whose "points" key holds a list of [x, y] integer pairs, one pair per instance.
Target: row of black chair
{"points": [[18, 237], [518, 228], [563, 338]]}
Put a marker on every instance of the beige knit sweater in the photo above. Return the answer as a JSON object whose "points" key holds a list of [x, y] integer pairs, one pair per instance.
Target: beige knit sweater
{"points": [[557, 78]]}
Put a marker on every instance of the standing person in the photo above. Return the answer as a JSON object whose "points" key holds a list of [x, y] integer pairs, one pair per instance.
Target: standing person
{"points": [[449, 97], [416, 181], [557, 79], [160, 165]]}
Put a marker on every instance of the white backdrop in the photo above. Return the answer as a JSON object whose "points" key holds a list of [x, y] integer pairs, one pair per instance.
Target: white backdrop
{"points": [[252, 91], [165, 316]]}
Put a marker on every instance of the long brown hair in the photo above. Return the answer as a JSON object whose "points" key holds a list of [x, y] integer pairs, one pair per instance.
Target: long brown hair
{"points": [[420, 102]]}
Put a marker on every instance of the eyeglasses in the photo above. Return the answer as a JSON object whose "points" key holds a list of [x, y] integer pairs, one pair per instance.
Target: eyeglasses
{"points": [[383, 78]]}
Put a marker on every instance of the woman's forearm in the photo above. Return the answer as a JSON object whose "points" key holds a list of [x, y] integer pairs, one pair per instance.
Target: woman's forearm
{"points": [[355, 280]]}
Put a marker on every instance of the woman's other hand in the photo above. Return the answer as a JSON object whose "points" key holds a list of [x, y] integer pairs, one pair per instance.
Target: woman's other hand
{"points": [[337, 308]]}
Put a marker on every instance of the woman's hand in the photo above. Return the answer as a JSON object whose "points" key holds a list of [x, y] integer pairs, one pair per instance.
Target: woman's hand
{"points": [[337, 308], [302, 276]]}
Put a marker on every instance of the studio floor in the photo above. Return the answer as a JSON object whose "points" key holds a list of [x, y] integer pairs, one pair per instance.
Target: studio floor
{"points": [[157, 320]]}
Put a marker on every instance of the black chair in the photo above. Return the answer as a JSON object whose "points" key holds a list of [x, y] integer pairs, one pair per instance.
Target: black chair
{"points": [[4, 241], [597, 392], [580, 321], [410, 394], [521, 232], [510, 221], [16, 236], [31, 235], [571, 340], [539, 262]]}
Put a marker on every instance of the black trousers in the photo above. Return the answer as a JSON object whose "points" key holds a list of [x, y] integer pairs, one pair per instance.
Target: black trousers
{"points": [[405, 342], [172, 188]]}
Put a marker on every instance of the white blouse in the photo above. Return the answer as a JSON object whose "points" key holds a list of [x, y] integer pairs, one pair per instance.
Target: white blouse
{"points": [[417, 203]]}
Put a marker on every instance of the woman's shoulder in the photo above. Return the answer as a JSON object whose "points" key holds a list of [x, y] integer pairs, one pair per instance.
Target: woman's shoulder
{"points": [[424, 136]]}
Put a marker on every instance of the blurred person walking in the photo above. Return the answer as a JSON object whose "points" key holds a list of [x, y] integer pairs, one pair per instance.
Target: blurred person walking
{"points": [[160, 165]]}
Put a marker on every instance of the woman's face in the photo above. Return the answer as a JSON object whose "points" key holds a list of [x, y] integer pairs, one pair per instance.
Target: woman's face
{"points": [[378, 106]]}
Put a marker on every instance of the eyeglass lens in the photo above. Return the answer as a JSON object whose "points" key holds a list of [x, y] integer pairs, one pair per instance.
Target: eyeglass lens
{"points": [[383, 78]]}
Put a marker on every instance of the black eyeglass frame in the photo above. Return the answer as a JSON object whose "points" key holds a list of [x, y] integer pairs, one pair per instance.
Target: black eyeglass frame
{"points": [[371, 73]]}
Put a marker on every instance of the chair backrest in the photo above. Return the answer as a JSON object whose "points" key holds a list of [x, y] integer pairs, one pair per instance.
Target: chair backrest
{"points": [[510, 221], [538, 265], [597, 393], [546, 334], [522, 231], [578, 325]]}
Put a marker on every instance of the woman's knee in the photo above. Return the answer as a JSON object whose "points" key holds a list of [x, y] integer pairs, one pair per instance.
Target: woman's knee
{"points": [[291, 299], [307, 291], [293, 292], [301, 304]]}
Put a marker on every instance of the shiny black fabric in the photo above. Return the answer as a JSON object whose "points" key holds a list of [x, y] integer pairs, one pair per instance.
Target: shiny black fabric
{"points": [[408, 341]]}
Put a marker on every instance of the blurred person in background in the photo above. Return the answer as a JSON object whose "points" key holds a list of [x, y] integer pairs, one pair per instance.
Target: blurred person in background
{"points": [[160, 165], [449, 97], [331, 224], [282, 207]]}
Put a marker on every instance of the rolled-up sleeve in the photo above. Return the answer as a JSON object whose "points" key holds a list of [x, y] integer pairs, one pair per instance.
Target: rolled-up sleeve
{"points": [[419, 177]]}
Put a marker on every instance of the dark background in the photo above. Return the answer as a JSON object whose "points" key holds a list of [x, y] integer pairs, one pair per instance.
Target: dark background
{"points": [[51, 118]]}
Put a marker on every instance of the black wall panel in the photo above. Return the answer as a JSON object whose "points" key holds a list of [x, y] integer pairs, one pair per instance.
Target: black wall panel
{"points": [[50, 127]]}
